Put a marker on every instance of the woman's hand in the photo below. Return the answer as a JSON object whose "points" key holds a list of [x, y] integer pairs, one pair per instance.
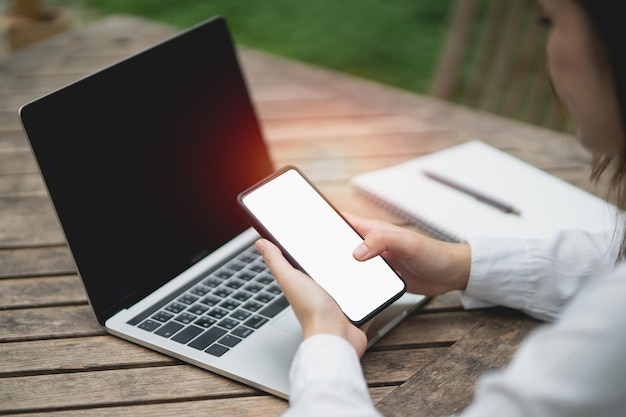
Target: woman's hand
{"points": [[316, 311], [428, 266]]}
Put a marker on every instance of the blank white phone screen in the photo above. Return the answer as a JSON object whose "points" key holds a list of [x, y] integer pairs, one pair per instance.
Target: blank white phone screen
{"points": [[321, 242]]}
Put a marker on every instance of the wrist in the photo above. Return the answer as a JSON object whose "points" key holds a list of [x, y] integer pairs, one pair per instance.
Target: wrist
{"points": [[324, 325], [336, 326], [461, 255]]}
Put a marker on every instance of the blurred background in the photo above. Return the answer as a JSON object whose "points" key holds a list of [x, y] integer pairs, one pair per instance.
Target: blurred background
{"points": [[486, 54], [395, 42]]}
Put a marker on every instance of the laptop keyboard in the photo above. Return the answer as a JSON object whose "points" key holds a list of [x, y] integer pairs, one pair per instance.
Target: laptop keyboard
{"points": [[221, 309]]}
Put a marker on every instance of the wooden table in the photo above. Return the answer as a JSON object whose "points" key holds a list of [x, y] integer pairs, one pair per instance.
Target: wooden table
{"points": [[56, 360]]}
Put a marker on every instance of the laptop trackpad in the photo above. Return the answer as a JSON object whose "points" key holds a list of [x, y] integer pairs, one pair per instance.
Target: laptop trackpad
{"points": [[288, 323]]}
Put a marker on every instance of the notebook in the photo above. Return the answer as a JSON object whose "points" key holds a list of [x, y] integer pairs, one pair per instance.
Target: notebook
{"points": [[545, 203], [143, 162]]}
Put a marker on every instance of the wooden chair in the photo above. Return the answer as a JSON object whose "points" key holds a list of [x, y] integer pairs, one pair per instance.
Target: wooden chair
{"points": [[493, 59]]}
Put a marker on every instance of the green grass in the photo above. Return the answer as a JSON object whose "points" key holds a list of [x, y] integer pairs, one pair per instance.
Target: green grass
{"points": [[392, 41]]}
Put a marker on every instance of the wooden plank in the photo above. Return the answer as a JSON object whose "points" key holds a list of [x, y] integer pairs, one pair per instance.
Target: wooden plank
{"points": [[19, 161], [433, 390], [430, 329], [408, 145], [75, 354], [342, 126], [50, 291], [474, 124], [445, 302], [41, 292], [561, 153], [377, 95], [10, 102], [324, 162], [75, 63], [8, 118], [12, 140], [31, 262], [336, 170], [78, 320], [256, 406], [115, 388], [380, 368], [378, 393], [391, 367], [312, 108], [31, 86], [28, 221], [119, 35], [48, 323], [260, 71], [21, 185], [285, 91]]}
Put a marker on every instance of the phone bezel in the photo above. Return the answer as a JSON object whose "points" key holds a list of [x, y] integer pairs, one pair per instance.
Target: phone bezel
{"points": [[264, 232]]}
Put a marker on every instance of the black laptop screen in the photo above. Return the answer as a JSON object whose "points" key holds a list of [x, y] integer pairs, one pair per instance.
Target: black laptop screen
{"points": [[144, 160]]}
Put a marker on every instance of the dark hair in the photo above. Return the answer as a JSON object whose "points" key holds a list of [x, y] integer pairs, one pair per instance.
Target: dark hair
{"points": [[607, 18]]}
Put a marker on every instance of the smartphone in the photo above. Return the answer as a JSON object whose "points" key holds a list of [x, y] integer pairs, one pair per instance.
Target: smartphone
{"points": [[288, 210]]}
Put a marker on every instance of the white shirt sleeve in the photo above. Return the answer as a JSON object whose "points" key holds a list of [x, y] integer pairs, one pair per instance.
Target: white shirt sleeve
{"points": [[536, 276], [573, 368], [326, 380]]}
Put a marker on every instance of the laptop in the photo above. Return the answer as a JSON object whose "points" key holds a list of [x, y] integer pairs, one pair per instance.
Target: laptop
{"points": [[143, 162]]}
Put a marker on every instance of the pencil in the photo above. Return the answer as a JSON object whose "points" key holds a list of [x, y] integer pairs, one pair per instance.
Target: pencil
{"points": [[500, 205]]}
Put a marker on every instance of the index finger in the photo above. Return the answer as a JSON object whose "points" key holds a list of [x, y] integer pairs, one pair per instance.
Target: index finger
{"points": [[364, 225], [295, 284]]}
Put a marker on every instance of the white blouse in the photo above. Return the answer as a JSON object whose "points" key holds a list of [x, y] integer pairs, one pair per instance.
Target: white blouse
{"points": [[573, 367]]}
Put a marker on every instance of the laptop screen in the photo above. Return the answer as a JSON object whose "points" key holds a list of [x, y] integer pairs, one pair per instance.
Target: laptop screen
{"points": [[144, 160]]}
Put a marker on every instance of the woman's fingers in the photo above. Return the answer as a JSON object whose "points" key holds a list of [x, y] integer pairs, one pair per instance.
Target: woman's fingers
{"points": [[364, 226], [291, 280], [379, 241], [316, 311]]}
